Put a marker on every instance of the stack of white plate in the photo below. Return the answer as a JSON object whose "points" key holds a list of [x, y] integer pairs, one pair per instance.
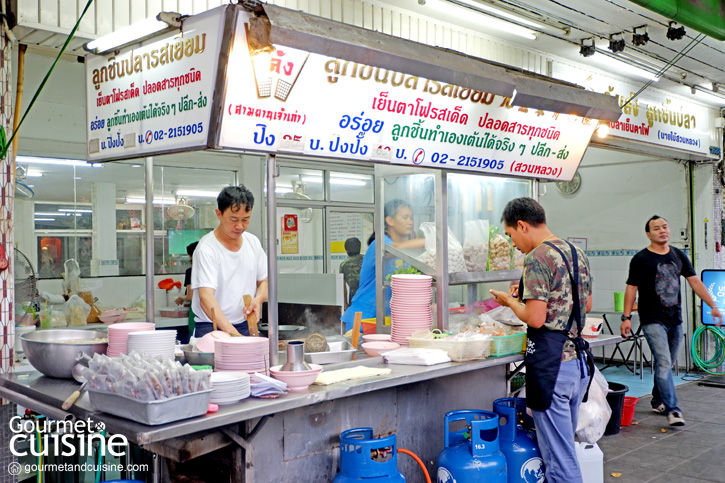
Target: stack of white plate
{"points": [[248, 354], [154, 343], [118, 335], [229, 387], [410, 305]]}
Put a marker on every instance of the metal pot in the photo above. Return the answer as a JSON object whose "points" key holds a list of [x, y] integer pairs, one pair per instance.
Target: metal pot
{"points": [[284, 331], [49, 355]]}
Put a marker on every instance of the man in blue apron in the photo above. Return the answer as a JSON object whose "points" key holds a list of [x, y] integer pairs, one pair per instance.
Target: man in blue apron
{"points": [[552, 299]]}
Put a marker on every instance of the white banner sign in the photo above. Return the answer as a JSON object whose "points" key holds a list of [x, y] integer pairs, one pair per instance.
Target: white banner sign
{"points": [[653, 116], [155, 98], [292, 101]]}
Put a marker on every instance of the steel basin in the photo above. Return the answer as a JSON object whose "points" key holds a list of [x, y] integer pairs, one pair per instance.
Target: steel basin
{"points": [[285, 331], [51, 357], [195, 358]]}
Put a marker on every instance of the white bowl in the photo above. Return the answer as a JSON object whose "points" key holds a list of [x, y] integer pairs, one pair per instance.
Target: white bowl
{"points": [[377, 338], [374, 349]]}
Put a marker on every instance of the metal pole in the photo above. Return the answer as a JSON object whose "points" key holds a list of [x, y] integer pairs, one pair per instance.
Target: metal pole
{"points": [[149, 207], [272, 310], [441, 193]]}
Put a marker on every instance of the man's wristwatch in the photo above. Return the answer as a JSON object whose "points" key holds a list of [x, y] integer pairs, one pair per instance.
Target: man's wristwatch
{"points": [[626, 317]]}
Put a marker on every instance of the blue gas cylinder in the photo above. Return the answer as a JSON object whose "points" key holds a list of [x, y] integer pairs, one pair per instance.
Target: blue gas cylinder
{"points": [[523, 458], [471, 454], [363, 458]]}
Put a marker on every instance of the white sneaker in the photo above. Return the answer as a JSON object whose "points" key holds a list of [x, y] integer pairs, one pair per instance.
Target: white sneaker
{"points": [[660, 409], [675, 419]]}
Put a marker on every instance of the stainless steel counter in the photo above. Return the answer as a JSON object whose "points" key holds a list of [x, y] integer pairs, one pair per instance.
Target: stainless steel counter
{"points": [[31, 388]]}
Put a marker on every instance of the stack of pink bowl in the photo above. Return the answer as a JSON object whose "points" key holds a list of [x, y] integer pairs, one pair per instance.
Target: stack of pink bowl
{"points": [[248, 354], [410, 305], [118, 335]]}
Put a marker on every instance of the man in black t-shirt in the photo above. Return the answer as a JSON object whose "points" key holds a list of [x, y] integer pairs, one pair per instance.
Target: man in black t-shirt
{"points": [[655, 273]]}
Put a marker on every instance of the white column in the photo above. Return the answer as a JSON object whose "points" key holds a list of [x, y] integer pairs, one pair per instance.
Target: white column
{"points": [[105, 259]]}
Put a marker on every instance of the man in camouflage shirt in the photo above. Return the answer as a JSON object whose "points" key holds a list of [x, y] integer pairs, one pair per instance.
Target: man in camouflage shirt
{"points": [[350, 267], [556, 378]]}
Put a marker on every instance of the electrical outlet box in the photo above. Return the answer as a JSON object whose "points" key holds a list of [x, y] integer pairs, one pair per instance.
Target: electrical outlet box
{"points": [[683, 233], [720, 122]]}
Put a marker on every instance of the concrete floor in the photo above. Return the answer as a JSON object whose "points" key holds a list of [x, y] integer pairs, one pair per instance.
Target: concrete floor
{"points": [[653, 451]]}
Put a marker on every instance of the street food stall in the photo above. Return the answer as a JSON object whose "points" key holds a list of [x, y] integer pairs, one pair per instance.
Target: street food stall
{"points": [[282, 83]]}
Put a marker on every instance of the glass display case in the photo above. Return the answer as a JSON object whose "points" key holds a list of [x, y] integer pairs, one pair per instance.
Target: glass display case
{"points": [[475, 252]]}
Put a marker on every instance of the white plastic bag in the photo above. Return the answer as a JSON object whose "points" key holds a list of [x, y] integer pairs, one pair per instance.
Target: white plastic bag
{"points": [[71, 277], [455, 250], [475, 245], [595, 413]]}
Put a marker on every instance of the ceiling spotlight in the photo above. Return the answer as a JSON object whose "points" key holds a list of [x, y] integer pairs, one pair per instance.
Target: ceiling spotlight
{"points": [[640, 36], [675, 31], [616, 42], [587, 48]]}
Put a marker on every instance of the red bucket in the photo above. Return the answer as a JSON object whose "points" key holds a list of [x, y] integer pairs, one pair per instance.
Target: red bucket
{"points": [[628, 410]]}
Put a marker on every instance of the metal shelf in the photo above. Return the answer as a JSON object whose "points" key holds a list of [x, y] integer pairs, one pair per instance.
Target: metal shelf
{"points": [[461, 278], [466, 278]]}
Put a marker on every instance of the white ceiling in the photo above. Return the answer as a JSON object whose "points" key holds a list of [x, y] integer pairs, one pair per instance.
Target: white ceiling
{"points": [[568, 21]]}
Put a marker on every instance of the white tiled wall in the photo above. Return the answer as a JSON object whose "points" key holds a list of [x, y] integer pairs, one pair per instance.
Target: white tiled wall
{"points": [[609, 274]]}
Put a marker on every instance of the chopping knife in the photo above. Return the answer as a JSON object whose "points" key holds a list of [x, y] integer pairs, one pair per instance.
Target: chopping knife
{"points": [[73, 397], [251, 318]]}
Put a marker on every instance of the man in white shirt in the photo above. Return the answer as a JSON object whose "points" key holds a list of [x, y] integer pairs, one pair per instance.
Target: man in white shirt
{"points": [[229, 263]]}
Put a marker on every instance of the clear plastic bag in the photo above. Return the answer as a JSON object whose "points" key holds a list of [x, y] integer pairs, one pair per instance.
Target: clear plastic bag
{"points": [[594, 414], [475, 245], [456, 262], [71, 276], [519, 258], [76, 311], [499, 251]]}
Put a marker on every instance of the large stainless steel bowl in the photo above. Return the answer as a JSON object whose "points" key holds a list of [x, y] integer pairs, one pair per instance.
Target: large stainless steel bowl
{"points": [[284, 331], [49, 355], [195, 358]]}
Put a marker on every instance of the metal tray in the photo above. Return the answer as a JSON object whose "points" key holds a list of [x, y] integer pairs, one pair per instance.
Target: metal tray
{"points": [[340, 351], [151, 412]]}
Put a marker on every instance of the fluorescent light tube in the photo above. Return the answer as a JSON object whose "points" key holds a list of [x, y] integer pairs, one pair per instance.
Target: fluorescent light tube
{"points": [[623, 67], [157, 201], [33, 173], [44, 219], [490, 22], [503, 13], [137, 31], [57, 161], [198, 193], [75, 210], [40, 213], [335, 180]]}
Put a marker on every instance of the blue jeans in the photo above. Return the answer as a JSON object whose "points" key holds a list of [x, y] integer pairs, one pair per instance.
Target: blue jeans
{"points": [[555, 427], [664, 342]]}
